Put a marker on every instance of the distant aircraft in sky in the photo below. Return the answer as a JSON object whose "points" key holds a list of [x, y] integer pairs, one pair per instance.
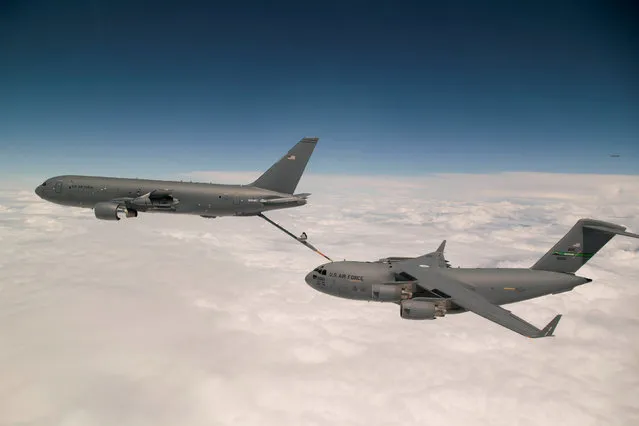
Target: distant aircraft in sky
{"points": [[111, 197], [615, 155], [426, 287]]}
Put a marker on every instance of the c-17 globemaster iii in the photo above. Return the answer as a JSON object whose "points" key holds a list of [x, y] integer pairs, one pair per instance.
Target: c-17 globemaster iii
{"points": [[111, 197], [426, 287]]}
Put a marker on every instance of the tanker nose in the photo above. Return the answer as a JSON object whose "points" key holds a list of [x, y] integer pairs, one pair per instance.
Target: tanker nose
{"points": [[39, 191]]}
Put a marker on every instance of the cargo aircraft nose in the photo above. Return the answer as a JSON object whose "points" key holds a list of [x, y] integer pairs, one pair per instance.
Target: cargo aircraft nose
{"points": [[39, 191], [310, 277]]}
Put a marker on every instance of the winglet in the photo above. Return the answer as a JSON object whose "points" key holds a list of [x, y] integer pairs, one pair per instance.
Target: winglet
{"points": [[550, 328], [441, 247]]}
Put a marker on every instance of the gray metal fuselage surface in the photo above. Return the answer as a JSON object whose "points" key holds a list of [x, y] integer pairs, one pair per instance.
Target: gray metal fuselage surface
{"points": [[204, 199], [426, 287], [111, 196], [356, 280]]}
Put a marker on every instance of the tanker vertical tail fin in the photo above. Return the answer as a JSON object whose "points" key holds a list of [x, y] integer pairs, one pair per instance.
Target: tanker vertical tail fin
{"points": [[284, 175]]}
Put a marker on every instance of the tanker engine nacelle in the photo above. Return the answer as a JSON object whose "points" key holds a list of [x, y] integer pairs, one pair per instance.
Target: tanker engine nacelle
{"points": [[109, 211], [420, 310]]}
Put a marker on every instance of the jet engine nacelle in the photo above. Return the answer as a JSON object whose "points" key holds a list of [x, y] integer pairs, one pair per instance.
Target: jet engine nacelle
{"points": [[106, 211], [389, 293], [420, 310], [109, 211]]}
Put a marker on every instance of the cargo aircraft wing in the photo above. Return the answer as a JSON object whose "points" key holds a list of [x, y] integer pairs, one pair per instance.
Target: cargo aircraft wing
{"points": [[434, 278]]}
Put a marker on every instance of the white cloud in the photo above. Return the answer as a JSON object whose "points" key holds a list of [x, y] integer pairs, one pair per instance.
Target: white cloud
{"points": [[166, 320]]}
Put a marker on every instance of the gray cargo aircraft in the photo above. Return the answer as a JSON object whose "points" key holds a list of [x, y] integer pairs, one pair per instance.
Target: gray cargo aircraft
{"points": [[111, 197], [426, 287]]}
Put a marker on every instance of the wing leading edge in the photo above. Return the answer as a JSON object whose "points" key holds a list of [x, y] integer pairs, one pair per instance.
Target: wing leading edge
{"points": [[462, 295]]}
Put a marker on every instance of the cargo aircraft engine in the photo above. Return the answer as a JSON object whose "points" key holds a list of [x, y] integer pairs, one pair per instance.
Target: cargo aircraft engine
{"points": [[420, 310], [389, 292]]}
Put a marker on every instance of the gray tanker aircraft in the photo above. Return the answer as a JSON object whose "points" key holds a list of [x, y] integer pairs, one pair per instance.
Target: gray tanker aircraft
{"points": [[111, 197], [426, 287]]}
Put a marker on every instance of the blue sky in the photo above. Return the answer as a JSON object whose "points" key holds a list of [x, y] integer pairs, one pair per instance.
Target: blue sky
{"points": [[158, 88]]}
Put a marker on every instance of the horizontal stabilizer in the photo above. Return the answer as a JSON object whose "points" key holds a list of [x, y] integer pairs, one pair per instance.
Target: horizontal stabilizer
{"points": [[441, 247], [283, 200], [612, 231]]}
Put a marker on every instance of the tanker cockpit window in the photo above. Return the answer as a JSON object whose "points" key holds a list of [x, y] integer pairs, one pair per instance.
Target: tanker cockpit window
{"points": [[323, 271]]}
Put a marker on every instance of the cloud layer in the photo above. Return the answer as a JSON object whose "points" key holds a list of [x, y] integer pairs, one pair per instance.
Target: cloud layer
{"points": [[166, 320]]}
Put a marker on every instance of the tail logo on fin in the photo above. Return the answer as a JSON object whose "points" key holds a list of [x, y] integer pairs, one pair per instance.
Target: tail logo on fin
{"points": [[573, 254], [574, 251], [290, 157]]}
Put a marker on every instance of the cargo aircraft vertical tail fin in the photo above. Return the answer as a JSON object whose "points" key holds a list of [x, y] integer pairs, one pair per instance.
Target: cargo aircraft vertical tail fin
{"points": [[579, 245], [284, 175]]}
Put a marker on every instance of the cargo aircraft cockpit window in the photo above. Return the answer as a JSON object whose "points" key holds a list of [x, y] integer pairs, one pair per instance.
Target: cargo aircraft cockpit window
{"points": [[320, 270]]}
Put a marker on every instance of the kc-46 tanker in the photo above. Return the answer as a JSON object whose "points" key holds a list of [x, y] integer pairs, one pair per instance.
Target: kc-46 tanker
{"points": [[112, 198]]}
